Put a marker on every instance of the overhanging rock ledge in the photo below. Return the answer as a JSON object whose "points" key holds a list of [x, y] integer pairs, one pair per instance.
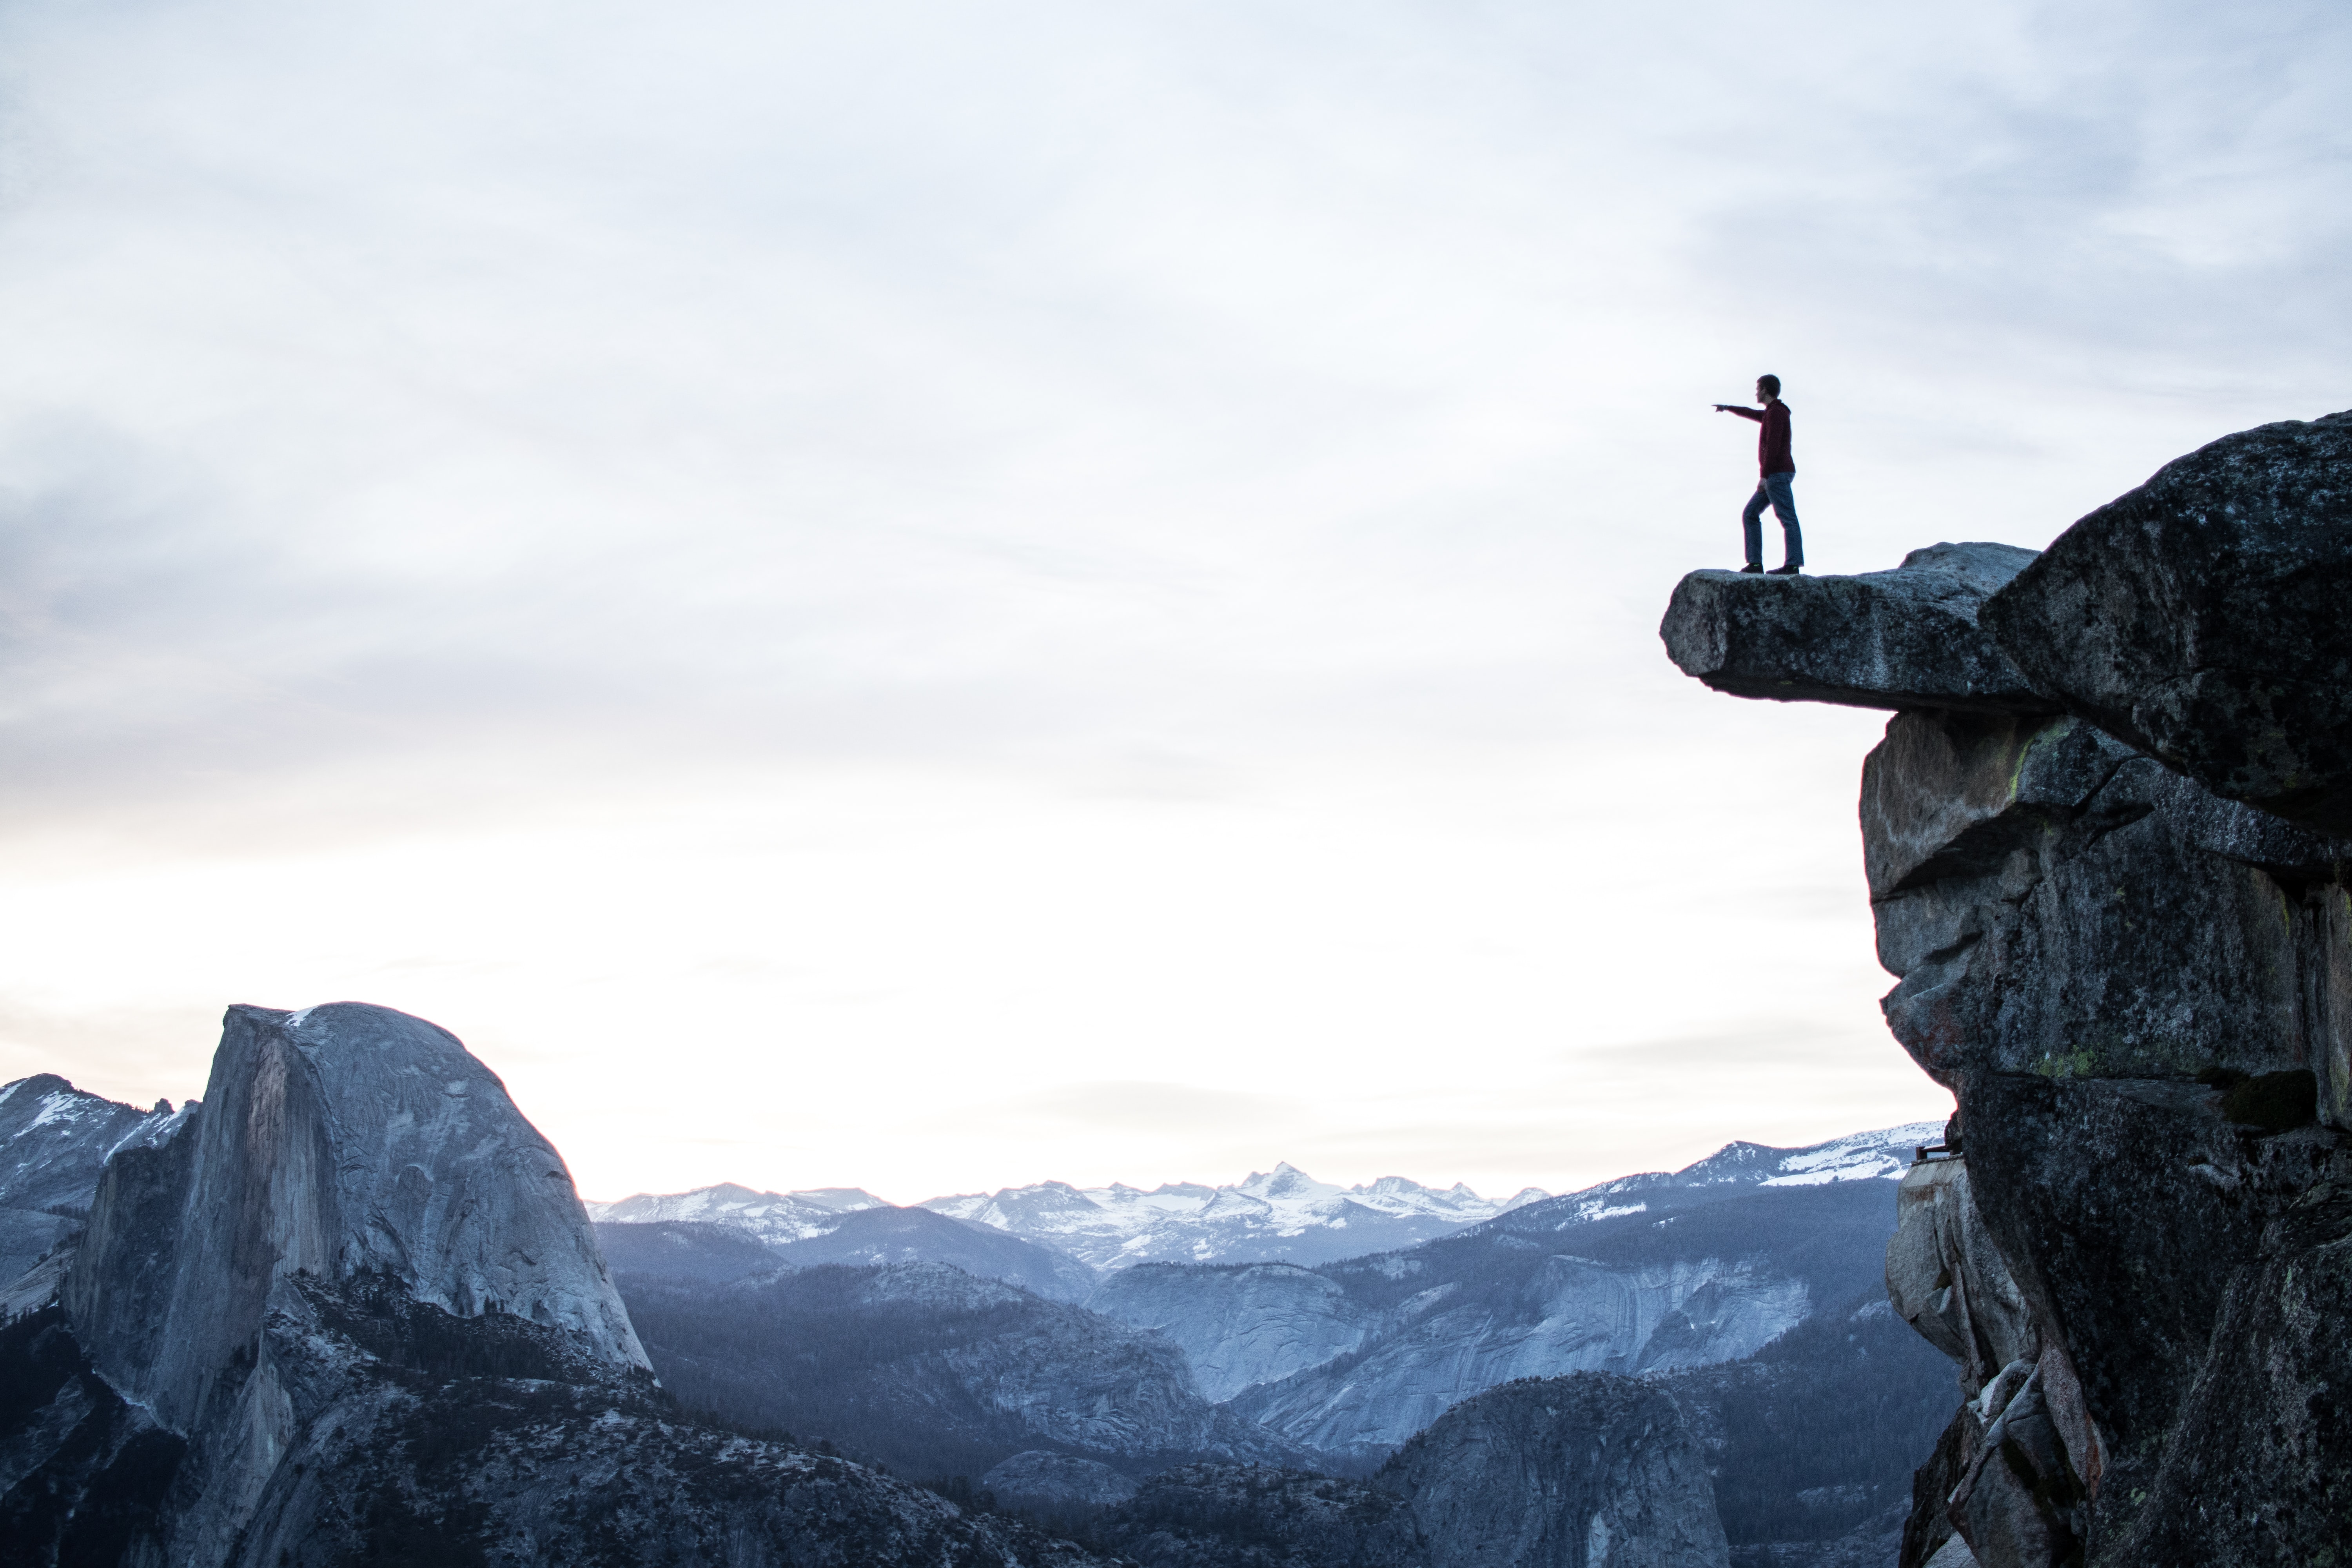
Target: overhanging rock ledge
{"points": [[1903, 638]]}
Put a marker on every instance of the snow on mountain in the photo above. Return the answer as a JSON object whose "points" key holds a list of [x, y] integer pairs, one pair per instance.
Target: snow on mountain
{"points": [[1278, 1216], [1282, 1216], [775, 1218], [53, 1141], [1859, 1157], [1880, 1155]]}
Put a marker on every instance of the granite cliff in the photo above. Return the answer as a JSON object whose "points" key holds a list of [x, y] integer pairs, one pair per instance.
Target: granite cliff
{"points": [[2102, 844], [352, 1311]]}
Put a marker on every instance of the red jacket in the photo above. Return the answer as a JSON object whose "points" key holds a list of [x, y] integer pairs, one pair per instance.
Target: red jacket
{"points": [[1773, 441]]}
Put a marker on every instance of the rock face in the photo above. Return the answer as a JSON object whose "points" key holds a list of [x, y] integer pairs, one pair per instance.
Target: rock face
{"points": [[1654, 1277], [1903, 638], [352, 1310], [1240, 1327], [2124, 939], [2199, 618], [339, 1143], [1570, 1472]]}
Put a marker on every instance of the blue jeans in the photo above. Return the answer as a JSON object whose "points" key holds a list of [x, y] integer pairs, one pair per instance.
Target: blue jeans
{"points": [[1775, 490]]}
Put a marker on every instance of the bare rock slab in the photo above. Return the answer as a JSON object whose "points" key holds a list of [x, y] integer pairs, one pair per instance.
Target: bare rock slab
{"points": [[1898, 640], [2202, 616]]}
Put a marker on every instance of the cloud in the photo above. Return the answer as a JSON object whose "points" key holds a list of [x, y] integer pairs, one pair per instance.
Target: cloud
{"points": [[1162, 1107], [1162, 513]]}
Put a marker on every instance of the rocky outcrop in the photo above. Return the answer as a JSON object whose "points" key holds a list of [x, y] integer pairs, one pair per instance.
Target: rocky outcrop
{"points": [[352, 1311], [2199, 618], [1903, 638], [2124, 939], [339, 1143], [1588, 1471], [1570, 1472]]}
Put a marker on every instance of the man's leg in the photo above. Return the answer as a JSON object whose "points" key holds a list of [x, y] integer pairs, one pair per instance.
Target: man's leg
{"points": [[1751, 527], [1782, 488]]}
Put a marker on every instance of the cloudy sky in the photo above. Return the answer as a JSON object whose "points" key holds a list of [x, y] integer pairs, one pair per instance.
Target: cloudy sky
{"points": [[935, 595]]}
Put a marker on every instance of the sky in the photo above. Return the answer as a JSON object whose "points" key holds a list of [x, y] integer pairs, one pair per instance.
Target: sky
{"points": [[935, 595]]}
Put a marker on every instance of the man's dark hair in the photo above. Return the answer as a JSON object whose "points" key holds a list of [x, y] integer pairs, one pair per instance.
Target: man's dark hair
{"points": [[1770, 384]]}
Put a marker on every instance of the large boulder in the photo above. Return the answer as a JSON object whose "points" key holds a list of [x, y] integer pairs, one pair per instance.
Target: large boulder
{"points": [[2201, 618], [1903, 638]]}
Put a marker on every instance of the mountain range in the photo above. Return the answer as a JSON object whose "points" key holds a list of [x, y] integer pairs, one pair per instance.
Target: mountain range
{"points": [[351, 1309], [1282, 1214], [1750, 1282], [1028, 1236], [940, 1338]]}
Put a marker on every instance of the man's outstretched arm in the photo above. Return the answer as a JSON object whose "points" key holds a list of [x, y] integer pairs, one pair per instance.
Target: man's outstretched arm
{"points": [[1756, 413]]}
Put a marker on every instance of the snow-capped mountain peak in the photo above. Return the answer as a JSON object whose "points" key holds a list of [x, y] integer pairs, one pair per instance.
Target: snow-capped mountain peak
{"points": [[1287, 1181], [1877, 1156], [775, 1218], [1282, 1214]]}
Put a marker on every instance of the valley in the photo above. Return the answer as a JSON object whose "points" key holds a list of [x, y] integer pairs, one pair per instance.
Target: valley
{"points": [[1087, 1393]]}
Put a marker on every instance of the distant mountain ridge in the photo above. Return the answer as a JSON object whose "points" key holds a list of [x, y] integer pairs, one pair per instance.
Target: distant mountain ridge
{"points": [[1751, 1280], [776, 1218], [1883, 1154], [1278, 1216], [54, 1141], [1283, 1214]]}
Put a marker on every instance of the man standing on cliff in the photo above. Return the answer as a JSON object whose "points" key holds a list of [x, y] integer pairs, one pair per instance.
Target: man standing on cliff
{"points": [[1779, 471]]}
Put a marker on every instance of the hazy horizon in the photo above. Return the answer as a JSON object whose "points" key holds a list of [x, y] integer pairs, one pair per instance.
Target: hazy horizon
{"points": [[924, 597]]}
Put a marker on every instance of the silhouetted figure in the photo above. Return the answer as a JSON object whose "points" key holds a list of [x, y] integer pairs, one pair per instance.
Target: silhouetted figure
{"points": [[1778, 471]]}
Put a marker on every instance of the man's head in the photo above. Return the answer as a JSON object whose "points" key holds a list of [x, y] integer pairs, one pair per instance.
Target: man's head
{"points": [[1768, 387]]}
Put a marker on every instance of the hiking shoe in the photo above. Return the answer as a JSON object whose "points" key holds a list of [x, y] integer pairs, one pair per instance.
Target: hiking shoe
{"points": [[1753, 566], [1786, 571]]}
